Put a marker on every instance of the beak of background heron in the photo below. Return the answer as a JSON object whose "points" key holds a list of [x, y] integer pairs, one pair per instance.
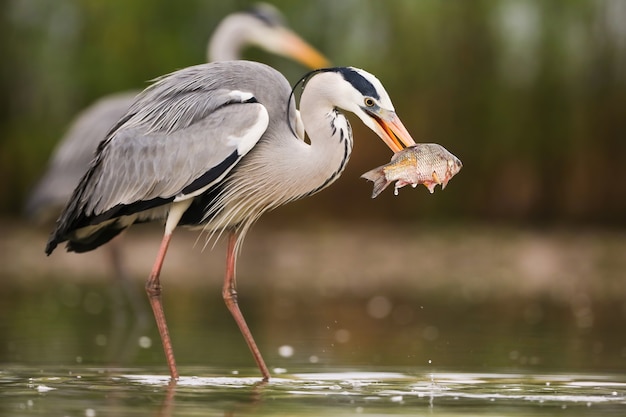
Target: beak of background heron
{"points": [[392, 131], [293, 46]]}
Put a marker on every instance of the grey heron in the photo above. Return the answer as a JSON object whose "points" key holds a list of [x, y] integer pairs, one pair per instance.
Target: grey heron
{"points": [[215, 146], [262, 26]]}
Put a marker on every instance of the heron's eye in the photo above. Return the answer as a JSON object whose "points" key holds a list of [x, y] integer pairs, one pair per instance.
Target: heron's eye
{"points": [[369, 102]]}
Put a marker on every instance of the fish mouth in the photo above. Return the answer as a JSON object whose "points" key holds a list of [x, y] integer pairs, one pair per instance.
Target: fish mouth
{"points": [[393, 132]]}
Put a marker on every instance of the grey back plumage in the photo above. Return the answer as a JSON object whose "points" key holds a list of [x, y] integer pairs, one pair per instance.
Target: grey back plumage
{"points": [[177, 131], [77, 148]]}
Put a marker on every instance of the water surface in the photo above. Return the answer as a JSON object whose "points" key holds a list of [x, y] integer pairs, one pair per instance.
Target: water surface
{"points": [[91, 392], [506, 325]]}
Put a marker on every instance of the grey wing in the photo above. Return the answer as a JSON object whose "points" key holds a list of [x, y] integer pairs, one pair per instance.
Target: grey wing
{"points": [[71, 157], [175, 161]]}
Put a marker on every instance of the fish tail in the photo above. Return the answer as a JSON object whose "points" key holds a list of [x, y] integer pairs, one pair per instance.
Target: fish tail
{"points": [[377, 175]]}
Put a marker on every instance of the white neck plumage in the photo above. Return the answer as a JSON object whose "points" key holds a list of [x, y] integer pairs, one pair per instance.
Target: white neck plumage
{"points": [[329, 134], [284, 167], [228, 39]]}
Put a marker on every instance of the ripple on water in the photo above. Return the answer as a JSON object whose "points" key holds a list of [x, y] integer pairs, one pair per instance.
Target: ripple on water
{"points": [[329, 393], [401, 387]]}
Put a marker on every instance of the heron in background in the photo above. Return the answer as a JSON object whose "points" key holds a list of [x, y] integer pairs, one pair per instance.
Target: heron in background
{"points": [[215, 146], [262, 26]]}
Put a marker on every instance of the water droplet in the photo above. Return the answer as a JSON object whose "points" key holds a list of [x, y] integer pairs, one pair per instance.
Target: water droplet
{"points": [[285, 351], [145, 342]]}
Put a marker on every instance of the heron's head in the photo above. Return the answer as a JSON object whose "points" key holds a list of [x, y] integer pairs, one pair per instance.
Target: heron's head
{"points": [[262, 26], [361, 93]]}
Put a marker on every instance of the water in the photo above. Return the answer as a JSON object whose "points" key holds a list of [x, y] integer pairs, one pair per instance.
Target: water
{"points": [[502, 325], [61, 356], [93, 392], [71, 324]]}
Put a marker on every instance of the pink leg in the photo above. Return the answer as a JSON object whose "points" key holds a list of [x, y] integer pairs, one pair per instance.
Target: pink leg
{"points": [[229, 293], [153, 288]]}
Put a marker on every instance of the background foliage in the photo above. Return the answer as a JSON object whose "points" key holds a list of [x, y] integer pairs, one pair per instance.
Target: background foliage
{"points": [[530, 95]]}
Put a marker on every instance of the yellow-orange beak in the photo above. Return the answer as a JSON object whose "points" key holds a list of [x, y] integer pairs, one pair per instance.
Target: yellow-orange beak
{"points": [[296, 48], [392, 131]]}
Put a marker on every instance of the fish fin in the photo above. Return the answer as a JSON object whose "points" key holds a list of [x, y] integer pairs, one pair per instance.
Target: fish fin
{"points": [[377, 175], [430, 185]]}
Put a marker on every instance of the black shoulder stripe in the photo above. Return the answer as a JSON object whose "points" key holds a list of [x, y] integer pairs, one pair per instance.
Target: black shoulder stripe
{"points": [[212, 174], [126, 210], [139, 206]]}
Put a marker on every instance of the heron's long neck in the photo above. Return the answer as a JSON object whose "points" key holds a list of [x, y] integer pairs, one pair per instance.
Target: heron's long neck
{"points": [[330, 139], [227, 41], [282, 167]]}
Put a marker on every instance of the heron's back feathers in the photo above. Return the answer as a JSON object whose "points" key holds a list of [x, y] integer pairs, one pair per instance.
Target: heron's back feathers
{"points": [[181, 136]]}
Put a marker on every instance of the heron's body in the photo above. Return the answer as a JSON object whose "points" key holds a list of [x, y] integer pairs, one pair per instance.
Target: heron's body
{"points": [[261, 26], [218, 160], [215, 146], [226, 174]]}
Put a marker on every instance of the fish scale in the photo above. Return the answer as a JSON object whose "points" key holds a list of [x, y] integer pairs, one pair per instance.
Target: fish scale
{"points": [[425, 163]]}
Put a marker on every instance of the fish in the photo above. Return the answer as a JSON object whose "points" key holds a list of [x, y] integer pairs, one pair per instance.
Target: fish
{"points": [[425, 163]]}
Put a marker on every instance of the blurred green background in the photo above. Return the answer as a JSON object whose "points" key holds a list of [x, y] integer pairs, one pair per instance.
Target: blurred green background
{"points": [[530, 95], [519, 262]]}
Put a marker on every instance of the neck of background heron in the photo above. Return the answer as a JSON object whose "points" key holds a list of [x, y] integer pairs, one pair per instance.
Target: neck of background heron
{"points": [[227, 41]]}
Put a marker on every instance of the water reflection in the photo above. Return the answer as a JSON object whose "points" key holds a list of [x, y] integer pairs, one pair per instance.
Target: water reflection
{"points": [[58, 323], [459, 330]]}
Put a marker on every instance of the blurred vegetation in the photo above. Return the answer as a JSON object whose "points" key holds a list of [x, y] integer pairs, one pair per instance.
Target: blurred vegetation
{"points": [[530, 95]]}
